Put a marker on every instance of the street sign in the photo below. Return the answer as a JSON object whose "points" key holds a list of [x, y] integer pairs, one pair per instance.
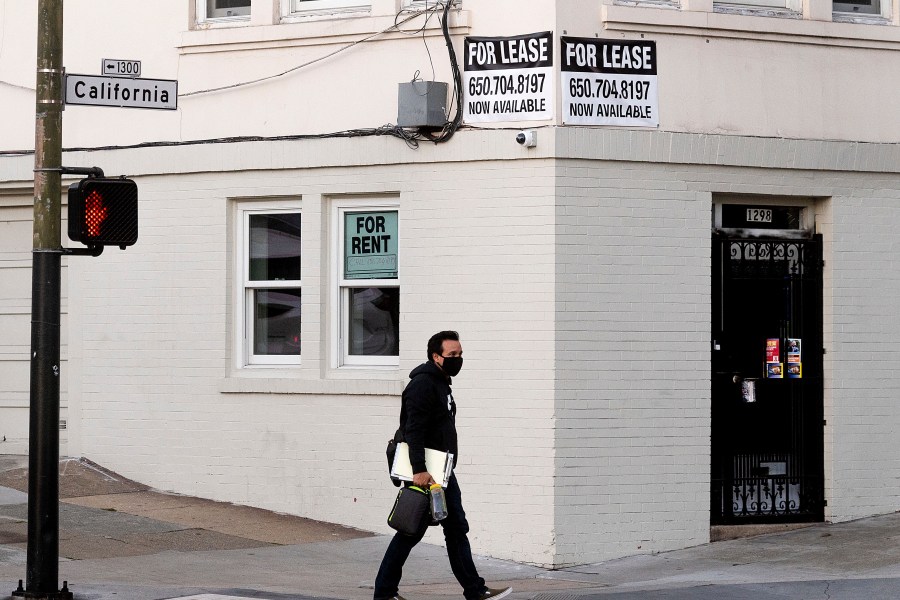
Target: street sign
{"points": [[121, 68], [127, 92]]}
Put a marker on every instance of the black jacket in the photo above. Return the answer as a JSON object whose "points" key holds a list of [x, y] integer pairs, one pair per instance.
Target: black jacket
{"points": [[428, 414]]}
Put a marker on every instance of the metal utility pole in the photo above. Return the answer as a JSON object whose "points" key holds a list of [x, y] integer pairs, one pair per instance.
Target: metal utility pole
{"points": [[42, 567]]}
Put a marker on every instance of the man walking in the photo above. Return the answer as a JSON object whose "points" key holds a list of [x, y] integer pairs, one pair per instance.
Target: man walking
{"points": [[428, 419]]}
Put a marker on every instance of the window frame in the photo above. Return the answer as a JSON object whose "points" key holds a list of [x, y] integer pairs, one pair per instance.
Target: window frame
{"points": [[203, 15], [244, 330], [340, 290]]}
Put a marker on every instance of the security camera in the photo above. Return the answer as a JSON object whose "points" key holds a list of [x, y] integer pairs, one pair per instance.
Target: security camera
{"points": [[527, 138]]}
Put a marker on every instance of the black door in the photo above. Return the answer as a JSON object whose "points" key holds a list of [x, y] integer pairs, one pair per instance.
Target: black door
{"points": [[767, 428]]}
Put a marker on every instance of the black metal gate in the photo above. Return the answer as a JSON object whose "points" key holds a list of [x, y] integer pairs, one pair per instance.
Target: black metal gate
{"points": [[767, 427]]}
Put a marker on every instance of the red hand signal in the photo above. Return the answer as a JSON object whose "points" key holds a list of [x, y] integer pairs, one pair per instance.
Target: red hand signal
{"points": [[94, 213]]}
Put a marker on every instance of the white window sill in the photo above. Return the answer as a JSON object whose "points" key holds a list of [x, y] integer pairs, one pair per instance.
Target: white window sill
{"points": [[860, 19], [705, 24], [756, 11], [334, 13], [223, 22], [306, 31], [663, 4], [366, 384]]}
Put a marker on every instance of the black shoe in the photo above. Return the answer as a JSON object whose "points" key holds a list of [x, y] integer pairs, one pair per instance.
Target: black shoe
{"points": [[495, 593]]}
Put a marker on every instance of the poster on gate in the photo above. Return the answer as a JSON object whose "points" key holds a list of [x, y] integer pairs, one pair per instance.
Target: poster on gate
{"points": [[774, 366], [794, 360], [773, 353]]}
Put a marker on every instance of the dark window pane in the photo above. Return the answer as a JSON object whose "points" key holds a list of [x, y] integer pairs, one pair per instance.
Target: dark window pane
{"points": [[227, 8], [226, 4], [871, 7], [275, 247], [276, 321], [374, 321]]}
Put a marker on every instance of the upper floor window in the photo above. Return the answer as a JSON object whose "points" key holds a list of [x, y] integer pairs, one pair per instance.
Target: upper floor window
{"points": [[306, 6], [223, 10], [270, 323], [858, 7]]}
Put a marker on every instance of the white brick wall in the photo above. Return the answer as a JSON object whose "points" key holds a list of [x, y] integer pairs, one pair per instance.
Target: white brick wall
{"points": [[16, 227], [476, 255], [632, 401], [580, 288], [864, 353]]}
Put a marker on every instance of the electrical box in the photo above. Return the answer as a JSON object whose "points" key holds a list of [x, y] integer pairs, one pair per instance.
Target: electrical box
{"points": [[422, 104]]}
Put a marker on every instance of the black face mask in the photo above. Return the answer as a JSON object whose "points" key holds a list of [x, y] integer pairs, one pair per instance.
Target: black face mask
{"points": [[452, 365]]}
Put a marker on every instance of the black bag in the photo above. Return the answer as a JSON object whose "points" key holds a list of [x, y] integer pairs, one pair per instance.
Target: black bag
{"points": [[391, 451], [412, 511]]}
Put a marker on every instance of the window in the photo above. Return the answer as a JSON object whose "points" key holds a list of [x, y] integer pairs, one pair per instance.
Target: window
{"points": [[861, 7], [223, 10], [306, 6], [368, 285], [270, 274]]}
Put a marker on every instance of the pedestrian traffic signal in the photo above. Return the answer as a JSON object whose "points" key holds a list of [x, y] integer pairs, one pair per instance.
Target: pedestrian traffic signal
{"points": [[103, 212]]}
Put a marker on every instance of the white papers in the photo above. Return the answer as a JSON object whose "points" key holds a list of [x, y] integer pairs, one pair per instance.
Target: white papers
{"points": [[439, 464]]}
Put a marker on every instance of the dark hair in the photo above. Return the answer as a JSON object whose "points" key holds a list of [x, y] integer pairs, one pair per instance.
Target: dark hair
{"points": [[436, 343]]}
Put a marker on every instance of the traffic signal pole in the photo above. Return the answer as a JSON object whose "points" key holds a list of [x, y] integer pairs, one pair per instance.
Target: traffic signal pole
{"points": [[42, 561]]}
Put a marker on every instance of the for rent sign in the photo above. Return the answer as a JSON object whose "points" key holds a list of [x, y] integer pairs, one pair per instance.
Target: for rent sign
{"points": [[370, 245], [508, 78], [609, 82]]}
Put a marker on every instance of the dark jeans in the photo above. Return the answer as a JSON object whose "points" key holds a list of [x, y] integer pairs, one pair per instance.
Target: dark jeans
{"points": [[458, 550]]}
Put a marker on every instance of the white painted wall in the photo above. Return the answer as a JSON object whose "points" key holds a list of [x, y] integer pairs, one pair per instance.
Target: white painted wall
{"points": [[15, 321], [633, 339], [580, 287], [16, 210], [160, 400], [864, 352], [718, 73], [565, 267]]}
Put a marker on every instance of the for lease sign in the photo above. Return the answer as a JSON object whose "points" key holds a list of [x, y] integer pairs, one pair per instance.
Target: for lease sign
{"points": [[508, 78], [609, 82]]}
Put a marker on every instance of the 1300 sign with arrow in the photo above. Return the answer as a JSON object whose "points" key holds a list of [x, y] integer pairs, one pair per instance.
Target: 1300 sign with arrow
{"points": [[121, 68]]}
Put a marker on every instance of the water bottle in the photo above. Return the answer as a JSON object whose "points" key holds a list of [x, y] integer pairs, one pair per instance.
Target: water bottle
{"points": [[438, 503]]}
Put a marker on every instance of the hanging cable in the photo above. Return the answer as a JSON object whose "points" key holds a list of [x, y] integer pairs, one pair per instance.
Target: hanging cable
{"points": [[411, 137], [453, 124], [395, 26]]}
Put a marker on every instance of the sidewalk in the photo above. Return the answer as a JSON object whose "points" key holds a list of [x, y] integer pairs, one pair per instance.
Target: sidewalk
{"points": [[120, 540]]}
